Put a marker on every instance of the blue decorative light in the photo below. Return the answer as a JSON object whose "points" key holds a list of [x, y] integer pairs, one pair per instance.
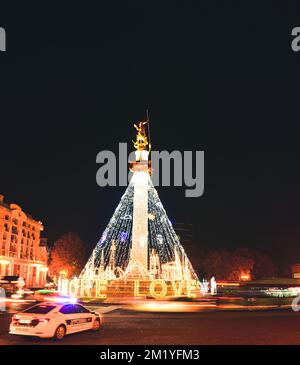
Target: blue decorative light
{"points": [[103, 238], [123, 236]]}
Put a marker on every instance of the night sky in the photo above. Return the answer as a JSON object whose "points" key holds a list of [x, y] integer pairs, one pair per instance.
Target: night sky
{"points": [[218, 78]]}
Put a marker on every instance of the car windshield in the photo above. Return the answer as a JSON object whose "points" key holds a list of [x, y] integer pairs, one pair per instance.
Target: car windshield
{"points": [[40, 309]]}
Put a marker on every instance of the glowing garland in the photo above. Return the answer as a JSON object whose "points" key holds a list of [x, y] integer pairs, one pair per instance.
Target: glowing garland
{"points": [[167, 258]]}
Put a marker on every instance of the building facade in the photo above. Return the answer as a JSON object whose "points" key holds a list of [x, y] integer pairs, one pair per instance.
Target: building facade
{"points": [[22, 252]]}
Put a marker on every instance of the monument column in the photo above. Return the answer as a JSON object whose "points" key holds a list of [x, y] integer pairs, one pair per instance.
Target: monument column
{"points": [[139, 248], [141, 168]]}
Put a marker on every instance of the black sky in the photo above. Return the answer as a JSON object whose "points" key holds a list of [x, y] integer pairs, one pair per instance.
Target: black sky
{"points": [[218, 78]]}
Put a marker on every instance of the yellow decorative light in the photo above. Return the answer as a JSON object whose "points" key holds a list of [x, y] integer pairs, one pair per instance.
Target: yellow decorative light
{"points": [[163, 290]]}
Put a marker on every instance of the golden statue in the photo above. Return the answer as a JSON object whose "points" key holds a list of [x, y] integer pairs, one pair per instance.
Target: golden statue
{"points": [[141, 141], [143, 148]]}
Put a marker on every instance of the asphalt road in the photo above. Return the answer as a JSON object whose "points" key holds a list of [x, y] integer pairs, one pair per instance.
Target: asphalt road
{"points": [[212, 327]]}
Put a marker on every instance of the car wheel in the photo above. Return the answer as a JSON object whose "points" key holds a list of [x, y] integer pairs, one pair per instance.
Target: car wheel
{"points": [[96, 325], [60, 332]]}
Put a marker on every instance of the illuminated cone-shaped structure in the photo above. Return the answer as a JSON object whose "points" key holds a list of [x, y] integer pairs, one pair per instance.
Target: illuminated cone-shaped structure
{"points": [[139, 242]]}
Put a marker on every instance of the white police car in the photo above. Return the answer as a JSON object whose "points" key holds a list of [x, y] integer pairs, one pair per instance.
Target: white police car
{"points": [[54, 320]]}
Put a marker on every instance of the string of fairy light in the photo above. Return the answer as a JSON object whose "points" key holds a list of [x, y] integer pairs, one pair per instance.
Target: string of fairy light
{"points": [[161, 235], [119, 230]]}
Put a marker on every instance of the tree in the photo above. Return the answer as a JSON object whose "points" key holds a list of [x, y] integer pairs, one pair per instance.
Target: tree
{"points": [[263, 266], [227, 265], [241, 263], [216, 263], [67, 254]]}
